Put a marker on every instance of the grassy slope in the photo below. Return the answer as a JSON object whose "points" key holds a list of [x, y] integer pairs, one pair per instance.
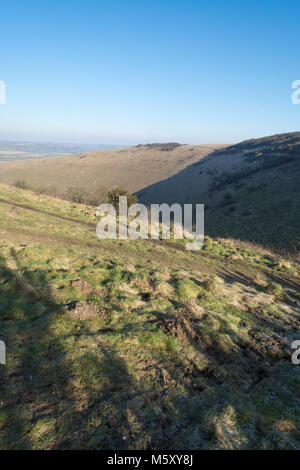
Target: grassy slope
{"points": [[250, 191], [93, 173], [142, 341]]}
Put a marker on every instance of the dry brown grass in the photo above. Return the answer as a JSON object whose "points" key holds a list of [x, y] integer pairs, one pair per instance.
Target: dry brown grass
{"points": [[89, 179]]}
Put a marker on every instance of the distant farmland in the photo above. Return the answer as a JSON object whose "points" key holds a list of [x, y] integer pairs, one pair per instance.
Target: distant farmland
{"points": [[15, 151]]}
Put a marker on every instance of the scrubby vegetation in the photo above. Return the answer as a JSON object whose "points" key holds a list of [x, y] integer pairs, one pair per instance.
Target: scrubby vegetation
{"points": [[114, 194], [165, 147], [72, 193], [21, 184]]}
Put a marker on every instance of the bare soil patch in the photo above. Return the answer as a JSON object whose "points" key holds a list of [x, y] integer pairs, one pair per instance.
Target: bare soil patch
{"points": [[180, 328], [85, 311]]}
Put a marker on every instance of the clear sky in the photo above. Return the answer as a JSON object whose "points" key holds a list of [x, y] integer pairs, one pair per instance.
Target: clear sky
{"points": [[129, 71]]}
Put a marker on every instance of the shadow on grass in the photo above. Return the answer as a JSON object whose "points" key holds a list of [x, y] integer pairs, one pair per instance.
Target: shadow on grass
{"points": [[49, 395], [58, 392]]}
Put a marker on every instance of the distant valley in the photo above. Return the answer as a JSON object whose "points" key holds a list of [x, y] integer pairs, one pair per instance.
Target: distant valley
{"points": [[16, 151], [250, 190]]}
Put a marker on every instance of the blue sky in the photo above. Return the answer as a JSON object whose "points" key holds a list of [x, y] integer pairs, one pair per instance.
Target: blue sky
{"points": [[127, 71]]}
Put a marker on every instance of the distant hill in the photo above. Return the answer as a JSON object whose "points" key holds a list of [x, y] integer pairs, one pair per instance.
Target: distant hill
{"points": [[250, 190], [87, 176]]}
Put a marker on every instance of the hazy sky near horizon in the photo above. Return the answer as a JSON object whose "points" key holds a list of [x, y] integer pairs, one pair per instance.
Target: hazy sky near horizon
{"points": [[129, 71]]}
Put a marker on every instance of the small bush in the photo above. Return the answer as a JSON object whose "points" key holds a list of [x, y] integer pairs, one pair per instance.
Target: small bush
{"points": [[114, 194], [21, 184]]}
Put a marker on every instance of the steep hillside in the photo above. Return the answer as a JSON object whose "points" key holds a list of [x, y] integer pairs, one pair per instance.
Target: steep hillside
{"points": [[138, 345], [88, 176], [250, 190]]}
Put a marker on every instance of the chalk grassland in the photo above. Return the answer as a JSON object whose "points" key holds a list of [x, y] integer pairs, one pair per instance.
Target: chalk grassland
{"points": [[90, 175], [137, 345], [250, 191]]}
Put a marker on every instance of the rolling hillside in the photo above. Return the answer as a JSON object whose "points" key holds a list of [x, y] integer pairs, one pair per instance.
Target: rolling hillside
{"points": [[88, 176], [140, 345], [250, 191]]}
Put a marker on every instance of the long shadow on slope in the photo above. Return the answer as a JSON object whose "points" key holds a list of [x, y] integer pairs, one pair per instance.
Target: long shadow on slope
{"points": [[52, 397], [228, 206]]}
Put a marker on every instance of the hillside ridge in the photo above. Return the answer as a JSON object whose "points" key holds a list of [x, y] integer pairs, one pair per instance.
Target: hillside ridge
{"points": [[250, 191]]}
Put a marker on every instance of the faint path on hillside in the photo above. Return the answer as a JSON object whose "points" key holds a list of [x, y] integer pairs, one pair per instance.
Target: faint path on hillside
{"points": [[51, 214], [227, 265]]}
